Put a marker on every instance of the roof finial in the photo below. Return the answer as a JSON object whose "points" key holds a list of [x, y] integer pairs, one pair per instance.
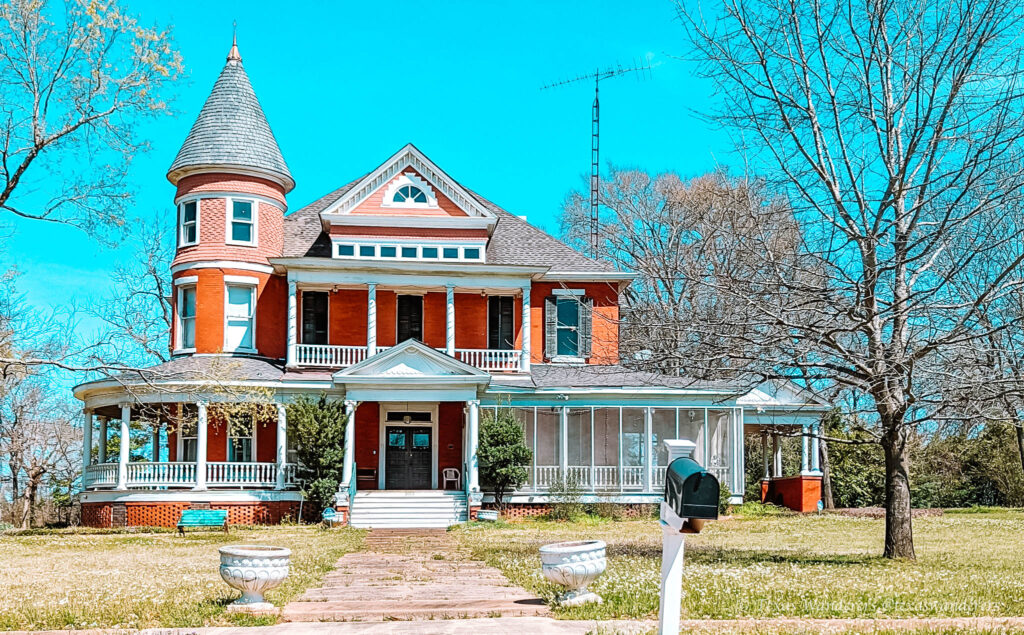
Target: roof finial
{"points": [[234, 55]]}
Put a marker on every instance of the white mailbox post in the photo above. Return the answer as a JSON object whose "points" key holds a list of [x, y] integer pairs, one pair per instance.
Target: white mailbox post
{"points": [[673, 527]]}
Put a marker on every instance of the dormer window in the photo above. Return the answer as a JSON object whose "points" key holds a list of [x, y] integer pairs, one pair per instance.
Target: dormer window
{"points": [[188, 223], [409, 194], [242, 216]]}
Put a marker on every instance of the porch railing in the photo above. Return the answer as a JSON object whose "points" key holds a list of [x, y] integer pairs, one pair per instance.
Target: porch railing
{"points": [[607, 477], [489, 359], [183, 474], [329, 356]]}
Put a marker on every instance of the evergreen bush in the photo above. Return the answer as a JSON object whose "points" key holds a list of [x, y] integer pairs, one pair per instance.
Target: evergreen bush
{"points": [[316, 427]]}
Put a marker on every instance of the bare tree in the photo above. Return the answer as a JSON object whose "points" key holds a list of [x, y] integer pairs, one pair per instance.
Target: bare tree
{"points": [[75, 79], [893, 128], [138, 313]]}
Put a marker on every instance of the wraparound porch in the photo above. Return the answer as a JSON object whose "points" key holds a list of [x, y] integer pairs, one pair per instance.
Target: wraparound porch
{"points": [[183, 475]]}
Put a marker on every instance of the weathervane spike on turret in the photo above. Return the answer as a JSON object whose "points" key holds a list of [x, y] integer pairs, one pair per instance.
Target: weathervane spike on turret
{"points": [[234, 55]]}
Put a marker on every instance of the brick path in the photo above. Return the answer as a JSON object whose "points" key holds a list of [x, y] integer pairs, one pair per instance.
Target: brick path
{"points": [[411, 575]]}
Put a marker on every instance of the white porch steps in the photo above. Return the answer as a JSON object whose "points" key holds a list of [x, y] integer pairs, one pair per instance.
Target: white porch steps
{"points": [[406, 509]]}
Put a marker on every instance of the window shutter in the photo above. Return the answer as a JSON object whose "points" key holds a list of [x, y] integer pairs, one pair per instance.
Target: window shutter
{"points": [[550, 326], [586, 316]]}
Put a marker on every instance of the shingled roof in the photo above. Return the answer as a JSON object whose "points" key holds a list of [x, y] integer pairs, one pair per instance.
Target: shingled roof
{"points": [[514, 241], [232, 131]]}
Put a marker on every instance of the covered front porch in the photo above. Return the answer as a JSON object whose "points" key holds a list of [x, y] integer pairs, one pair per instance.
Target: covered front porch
{"points": [[184, 451]]}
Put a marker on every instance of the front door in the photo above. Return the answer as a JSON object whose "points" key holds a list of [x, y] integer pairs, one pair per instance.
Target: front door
{"points": [[407, 460]]}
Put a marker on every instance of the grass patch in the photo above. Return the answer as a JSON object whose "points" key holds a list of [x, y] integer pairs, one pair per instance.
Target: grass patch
{"points": [[56, 579], [784, 565]]}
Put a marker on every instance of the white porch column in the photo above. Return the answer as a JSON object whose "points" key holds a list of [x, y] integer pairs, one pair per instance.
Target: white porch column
{"points": [[524, 361], [648, 450], [473, 430], [348, 465], [125, 446], [766, 459], [86, 444], [201, 448], [449, 314], [805, 450], [563, 442], [776, 456], [281, 456], [101, 451], [816, 448], [156, 442], [371, 319], [293, 323]]}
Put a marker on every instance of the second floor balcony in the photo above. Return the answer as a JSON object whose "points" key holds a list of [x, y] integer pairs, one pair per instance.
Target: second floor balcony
{"points": [[341, 327]]}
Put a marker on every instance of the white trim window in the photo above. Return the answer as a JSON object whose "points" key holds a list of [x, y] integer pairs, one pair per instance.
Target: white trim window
{"points": [[241, 437], [242, 216], [186, 317], [240, 317], [188, 223], [410, 191], [188, 441]]}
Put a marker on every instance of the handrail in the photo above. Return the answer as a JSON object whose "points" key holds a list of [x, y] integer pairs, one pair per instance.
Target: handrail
{"points": [[352, 481]]}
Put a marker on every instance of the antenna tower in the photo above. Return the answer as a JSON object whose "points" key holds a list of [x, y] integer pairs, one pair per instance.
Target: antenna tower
{"points": [[642, 70]]}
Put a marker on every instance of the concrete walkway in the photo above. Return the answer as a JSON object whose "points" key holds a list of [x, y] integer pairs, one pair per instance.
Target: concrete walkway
{"points": [[411, 575]]}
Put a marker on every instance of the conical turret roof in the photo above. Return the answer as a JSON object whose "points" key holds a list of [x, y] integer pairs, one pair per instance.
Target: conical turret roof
{"points": [[231, 132]]}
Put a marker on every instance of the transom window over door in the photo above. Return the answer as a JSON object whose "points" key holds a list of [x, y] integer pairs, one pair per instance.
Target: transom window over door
{"points": [[240, 317], [501, 323], [242, 222], [314, 317], [410, 318]]}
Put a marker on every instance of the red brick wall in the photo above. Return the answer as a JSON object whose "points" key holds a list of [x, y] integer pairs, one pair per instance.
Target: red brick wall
{"points": [[199, 183], [213, 230], [387, 308], [408, 232], [216, 436], [372, 205], [172, 444], [799, 493], [96, 515], [367, 435], [271, 310], [166, 514], [435, 319], [449, 437], [604, 326], [470, 320], [266, 440], [348, 317]]}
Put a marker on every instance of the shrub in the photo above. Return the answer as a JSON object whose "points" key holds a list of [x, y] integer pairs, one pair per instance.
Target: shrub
{"points": [[503, 453], [317, 428], [566, 495], [606, 509], [724, 494]]}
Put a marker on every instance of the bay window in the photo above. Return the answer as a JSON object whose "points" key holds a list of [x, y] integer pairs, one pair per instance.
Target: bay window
{"points": [[240, 317]]}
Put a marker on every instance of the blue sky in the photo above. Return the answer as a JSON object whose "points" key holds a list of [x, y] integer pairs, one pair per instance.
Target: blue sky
{"points": [[344, 85]]}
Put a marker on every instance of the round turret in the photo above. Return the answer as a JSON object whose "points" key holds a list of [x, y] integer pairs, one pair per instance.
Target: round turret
{"points": [[231, 184]]}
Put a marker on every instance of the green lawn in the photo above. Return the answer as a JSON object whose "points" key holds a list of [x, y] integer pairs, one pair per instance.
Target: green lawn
{"points": [[969, 564], [84, 579]]}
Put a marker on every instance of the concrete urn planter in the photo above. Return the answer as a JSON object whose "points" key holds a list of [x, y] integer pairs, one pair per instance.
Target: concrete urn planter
{"points": [[574, 565], [253, 570]]}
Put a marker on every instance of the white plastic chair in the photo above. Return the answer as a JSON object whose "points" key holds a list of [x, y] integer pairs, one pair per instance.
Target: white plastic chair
{"points": [[450, 474]]}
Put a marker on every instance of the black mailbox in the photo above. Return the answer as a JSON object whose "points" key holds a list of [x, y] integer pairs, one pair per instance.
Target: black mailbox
{"points": [[690, 491]]}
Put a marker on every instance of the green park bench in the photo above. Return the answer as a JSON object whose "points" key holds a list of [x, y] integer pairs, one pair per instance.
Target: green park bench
{"points": [[203, 518]]}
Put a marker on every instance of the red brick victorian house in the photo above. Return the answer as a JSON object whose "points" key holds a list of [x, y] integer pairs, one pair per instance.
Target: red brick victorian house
{"points": [[421, 305]]}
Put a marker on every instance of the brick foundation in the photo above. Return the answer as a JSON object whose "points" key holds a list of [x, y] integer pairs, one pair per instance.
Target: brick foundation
{"points": [[166, 514], [799, 493]]}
